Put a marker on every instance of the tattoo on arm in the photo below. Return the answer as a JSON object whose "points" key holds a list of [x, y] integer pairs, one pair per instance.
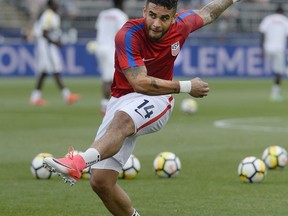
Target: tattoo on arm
{"points": [[154, 83], [214, 9], [135, 71]]}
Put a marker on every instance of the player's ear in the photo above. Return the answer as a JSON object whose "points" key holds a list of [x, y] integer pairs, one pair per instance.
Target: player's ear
{"points": [[144, 12], [174, 18]]}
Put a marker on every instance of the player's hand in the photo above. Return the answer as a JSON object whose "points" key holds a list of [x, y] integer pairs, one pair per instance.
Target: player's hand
{"points": [[199, 88], [234, 1]]}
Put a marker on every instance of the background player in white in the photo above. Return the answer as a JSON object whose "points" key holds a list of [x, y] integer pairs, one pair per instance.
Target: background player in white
{"points": [[142, 101], [274, 33], [47, 31], [108, 23]]}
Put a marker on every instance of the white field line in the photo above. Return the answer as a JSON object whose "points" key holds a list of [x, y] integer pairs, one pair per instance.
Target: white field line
{"points": [[254, 124]]}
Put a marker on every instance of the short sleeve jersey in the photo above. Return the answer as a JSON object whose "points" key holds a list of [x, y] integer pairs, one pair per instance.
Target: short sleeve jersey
{"points": [[134, 49], [108, 24], [275, 28], [50, 21]]}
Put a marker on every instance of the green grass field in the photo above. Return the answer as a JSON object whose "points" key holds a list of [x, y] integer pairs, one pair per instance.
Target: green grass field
{"points": [[207, 185]]}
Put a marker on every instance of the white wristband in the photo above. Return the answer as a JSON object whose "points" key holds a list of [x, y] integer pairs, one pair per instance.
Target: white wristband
{"points": [[185, 86], [234, 1]]}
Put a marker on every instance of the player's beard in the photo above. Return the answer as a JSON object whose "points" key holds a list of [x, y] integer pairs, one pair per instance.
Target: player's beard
{"points": [[155, 36]]}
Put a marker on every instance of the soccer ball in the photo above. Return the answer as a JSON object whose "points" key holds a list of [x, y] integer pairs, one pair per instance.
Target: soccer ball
{"points": [[166, 165], [91, 47], [252, 170], [131, 168], [86, 173], [37, 168], [274, 157], [189, 106]]}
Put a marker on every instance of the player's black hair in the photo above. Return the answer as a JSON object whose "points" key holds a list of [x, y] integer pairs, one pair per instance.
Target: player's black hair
{"points": [[118, 3], [53, 4], [279, 9], [169, 4], [50, 3]]}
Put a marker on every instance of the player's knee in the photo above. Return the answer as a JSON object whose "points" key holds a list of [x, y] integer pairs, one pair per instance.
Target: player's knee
{"points": [[101, 184]]}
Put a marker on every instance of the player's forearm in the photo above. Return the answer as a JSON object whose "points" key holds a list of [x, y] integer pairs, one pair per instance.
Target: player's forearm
{"points": [[154, 86], [46, 35], [213, 10], [142, 83]]}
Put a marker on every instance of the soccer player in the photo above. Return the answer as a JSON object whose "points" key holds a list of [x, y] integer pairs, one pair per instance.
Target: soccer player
{"points": [[47, 31], [142, 100], [108, 23], [274, 33]]}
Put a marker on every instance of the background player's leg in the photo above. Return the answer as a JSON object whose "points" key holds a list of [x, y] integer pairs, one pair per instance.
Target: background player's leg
{"points": [[36, 94], [59, 81], [67, 95], [276, 88]]}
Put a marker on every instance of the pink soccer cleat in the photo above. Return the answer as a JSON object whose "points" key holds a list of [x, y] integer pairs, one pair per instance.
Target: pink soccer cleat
{"points": [[70, 168], [38, 102], [72, 98]]}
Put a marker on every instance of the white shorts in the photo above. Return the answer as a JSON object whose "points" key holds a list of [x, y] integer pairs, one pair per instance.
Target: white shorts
{"points": [[105, 60], [278, 61], [149, 113], [48, 57]]}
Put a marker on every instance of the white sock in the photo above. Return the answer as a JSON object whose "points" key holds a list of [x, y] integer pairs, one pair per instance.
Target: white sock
{"points": [[36, 94], [65, 93], [275, 92], [135, 213], [90, 156]]}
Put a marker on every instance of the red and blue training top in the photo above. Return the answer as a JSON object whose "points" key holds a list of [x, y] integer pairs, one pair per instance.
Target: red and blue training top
{"points": [[134, 48]]}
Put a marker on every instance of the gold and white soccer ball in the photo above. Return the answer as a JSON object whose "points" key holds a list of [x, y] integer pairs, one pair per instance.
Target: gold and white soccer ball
{"points": [[189, 106], [252, 170], [37, 169], [167, 165], [91, 47], [86, 173], [131, 168], [275, 157]]}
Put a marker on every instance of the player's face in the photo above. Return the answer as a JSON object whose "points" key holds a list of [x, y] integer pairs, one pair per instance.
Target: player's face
{"points": [[158, 20]]}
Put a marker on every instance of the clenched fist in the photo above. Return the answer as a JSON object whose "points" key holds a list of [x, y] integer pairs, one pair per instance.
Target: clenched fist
{"points": [[199, 88]]}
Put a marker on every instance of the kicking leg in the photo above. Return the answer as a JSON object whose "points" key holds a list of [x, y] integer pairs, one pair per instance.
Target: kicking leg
{"points": [[121, 127], [108, 145]]}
